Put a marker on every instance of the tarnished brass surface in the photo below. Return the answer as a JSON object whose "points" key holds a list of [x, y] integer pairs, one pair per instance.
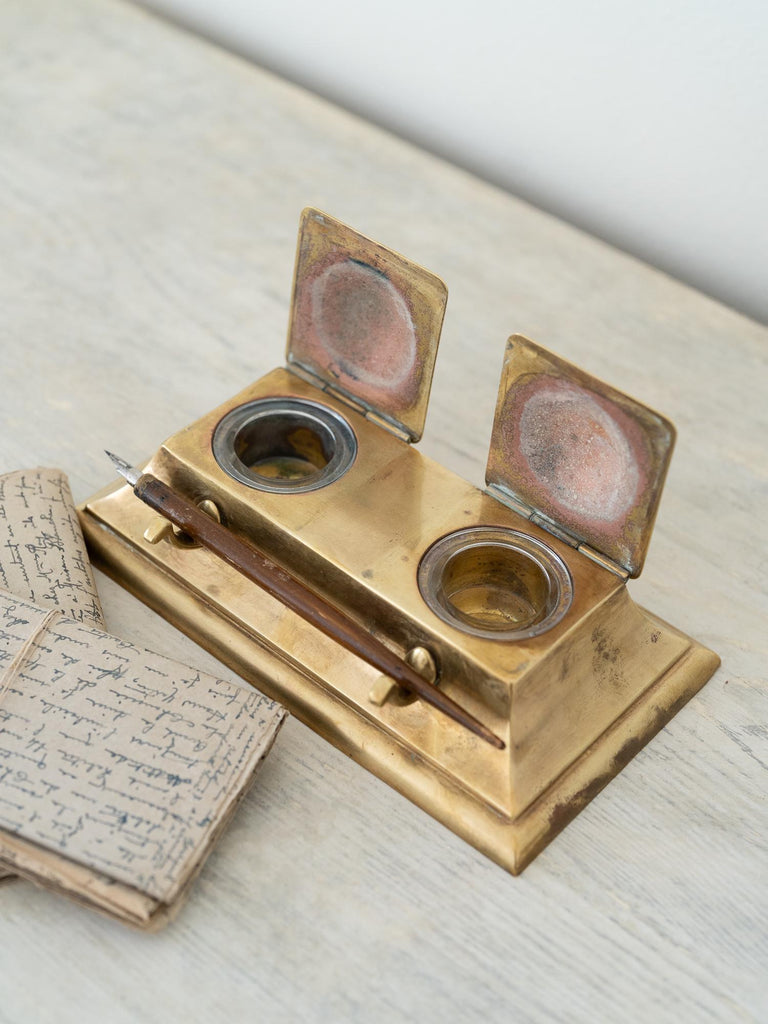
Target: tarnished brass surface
{"points": [[573, 703]]}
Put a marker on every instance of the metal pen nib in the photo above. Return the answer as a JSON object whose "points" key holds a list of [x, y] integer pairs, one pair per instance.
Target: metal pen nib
{"points": [[124, 468]]}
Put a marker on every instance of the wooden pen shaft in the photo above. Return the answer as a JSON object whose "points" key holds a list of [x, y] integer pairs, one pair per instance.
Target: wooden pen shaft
{"points": [[262, 571]]}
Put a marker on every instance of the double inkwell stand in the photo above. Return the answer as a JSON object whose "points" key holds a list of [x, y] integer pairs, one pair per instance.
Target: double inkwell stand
{"points": [[512, 599]]}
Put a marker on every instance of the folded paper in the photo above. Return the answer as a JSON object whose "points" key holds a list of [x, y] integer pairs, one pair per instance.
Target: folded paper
{"points": [[42, 552], [117, 765]]}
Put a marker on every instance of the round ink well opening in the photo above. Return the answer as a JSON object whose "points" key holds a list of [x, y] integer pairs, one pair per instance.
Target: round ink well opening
{"points": [[284, 445], [495, 583]]}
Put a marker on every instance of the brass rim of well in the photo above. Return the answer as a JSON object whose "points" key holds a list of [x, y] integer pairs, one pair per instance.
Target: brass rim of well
{"points": [[284, 445], [495, 583]]}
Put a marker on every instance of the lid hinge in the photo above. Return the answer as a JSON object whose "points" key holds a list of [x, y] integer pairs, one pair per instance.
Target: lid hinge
{"points": [[511, 501], [604, 561], [305, 375], [346, 399], [382, 421], [340, 396]]}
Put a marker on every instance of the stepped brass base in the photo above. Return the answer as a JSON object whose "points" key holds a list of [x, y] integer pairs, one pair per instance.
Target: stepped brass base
{"points": [[508, 805]]}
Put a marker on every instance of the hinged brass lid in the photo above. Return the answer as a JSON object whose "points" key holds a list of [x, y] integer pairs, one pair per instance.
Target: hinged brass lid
{"points": [[578, 454], [366, 321]]}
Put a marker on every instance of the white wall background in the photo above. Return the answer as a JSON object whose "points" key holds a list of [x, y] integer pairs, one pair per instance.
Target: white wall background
{"points": [[646, 123]]}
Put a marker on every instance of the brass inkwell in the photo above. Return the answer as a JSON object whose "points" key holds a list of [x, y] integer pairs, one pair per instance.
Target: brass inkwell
{"points": [[512, 600]]}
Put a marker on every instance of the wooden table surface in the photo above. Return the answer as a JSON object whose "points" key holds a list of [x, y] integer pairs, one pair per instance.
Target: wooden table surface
{"points": [[151, 188]]}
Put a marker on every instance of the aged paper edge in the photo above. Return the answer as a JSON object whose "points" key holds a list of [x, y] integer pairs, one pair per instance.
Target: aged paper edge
{"points": [[59, 874]]}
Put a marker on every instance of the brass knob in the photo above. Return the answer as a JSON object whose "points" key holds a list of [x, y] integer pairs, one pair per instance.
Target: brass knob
{"points": [[160, 527], [420, 660], [210, 508]]}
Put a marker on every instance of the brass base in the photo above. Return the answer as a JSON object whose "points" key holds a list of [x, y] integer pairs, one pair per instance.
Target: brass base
{"points": [[509, 818]]}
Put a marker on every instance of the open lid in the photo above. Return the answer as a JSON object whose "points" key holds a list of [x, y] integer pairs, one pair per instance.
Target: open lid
{"points": [[366, 321], [579, 454]]}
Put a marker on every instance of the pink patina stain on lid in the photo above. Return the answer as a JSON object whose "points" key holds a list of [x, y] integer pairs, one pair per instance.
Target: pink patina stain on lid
{"points": [[365, 320], [357, 323], [574, 448], [586, 457]]}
